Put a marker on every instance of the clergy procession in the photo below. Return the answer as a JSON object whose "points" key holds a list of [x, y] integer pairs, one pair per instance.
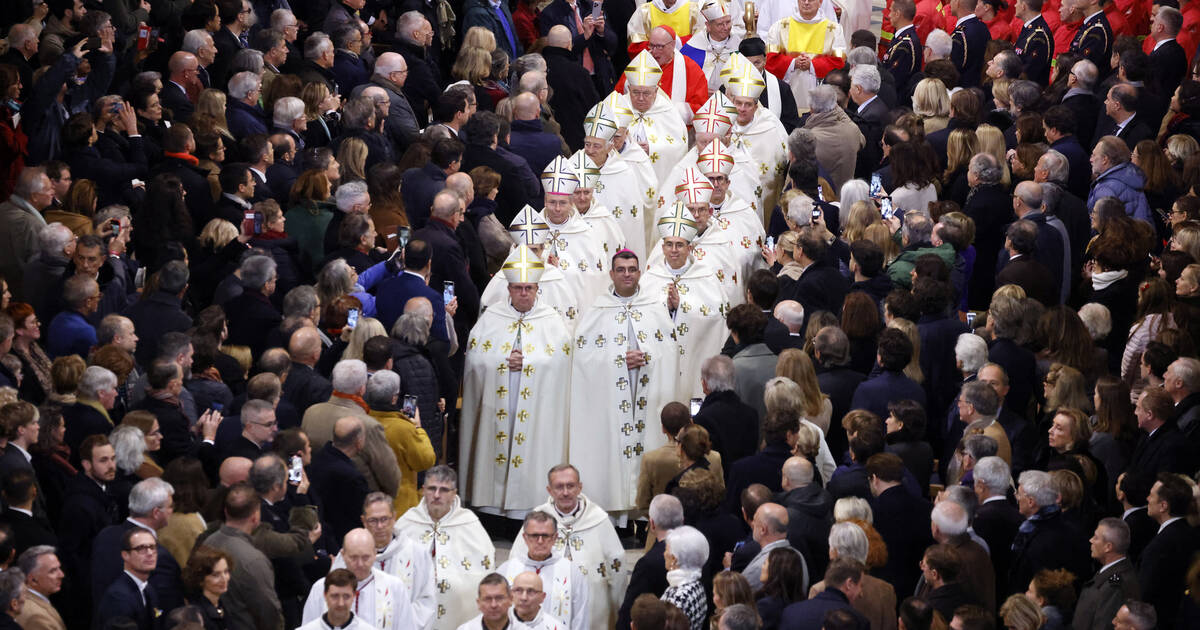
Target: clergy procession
{"points": [[600, 314]]}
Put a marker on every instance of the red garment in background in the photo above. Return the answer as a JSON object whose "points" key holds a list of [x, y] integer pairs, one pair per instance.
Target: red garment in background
{"points": [[14, 148]]}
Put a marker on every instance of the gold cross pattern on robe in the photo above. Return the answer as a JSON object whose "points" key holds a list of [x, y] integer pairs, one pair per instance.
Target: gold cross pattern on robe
{"points": [[501, 437], [622, 383], [466, 564], [620, 339], [487, 346], [520, 439], [704, 310], [522, 416], [619, 361], [525, 393], [580, 342], [502, 415], [486, 562], [654, 157], [527, 370], [641, 403], [442, 586], [600, 341], [500, 460], [501, 392], [517, 461], [627, 429], [444, 562], [602, 570], [625, 407], [628, 452]]}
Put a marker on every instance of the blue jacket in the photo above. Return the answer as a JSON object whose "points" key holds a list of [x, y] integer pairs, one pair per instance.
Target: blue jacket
{"points": [[245, 120], [350, 69], [1079, 172], [481, 13], [531, 142], [811, 613], [394, 292], [69, 333], [1125, 182], [875, 393]]}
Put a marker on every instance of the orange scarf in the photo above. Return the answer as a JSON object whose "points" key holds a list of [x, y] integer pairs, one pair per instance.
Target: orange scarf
{"points": [[186, 157], [354, 397]]}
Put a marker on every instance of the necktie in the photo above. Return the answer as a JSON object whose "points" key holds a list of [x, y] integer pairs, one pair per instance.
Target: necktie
{"points": [[508, 32], [244, 40], [587, 56]]}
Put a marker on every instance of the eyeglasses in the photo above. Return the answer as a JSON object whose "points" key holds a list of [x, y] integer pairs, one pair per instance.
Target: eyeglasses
{"points": [[142, 549], [539, 536], [273, 423], [376, 522]]}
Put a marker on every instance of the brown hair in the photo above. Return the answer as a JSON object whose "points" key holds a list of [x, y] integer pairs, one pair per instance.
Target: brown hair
{"points": [[65, 373], [81, 197], [860, 316], [797, 365], [485, 179], [201, 564]]}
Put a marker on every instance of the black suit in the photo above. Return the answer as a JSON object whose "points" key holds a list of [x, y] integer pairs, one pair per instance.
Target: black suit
{"points": [[121, 598], [87, 510], [1168, 66], [421, 87], [903, 522], [28, 531], [195, 182], [1164, 568], [305, 387], [175, 99], [450, 263], [1165, 450], [251, 318], [1031, 275], [1134, 131], [107, 566], [871, 119], [1142, 529], [649, 576], [81, 421], [1086, 109], [989, 206], [340, 487], [154, 316], [903, 58], [1052, 544], [1035, 45], [572, 90], [839, 383], [1020, 365], [968, 44], [996, 522], [820, 288], [731, 424]]}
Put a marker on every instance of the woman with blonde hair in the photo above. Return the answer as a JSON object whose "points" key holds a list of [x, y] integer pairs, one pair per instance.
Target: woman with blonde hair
{"points": [[216, 235], [368, 328], [479, 37], [1021, 613], [77, 208], [991, 140], [1187, 239], [210, 113], [321, 109], [781, 395], [729, 588], [352, 155], [931, 102], [1179, 148], [961, 146], [474, 66], [795, 364], [881, 235], [913, 369], [785, 250], [860, 216]]}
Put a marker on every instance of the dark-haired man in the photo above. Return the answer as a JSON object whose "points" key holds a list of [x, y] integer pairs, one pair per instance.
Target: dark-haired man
{"points": [[252, 599], [1164, 564], [419, 185], [894, 353]]}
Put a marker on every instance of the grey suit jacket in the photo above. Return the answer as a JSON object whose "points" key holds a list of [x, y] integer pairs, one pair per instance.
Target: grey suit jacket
{"points": [[1104, 594], [18, 240]]}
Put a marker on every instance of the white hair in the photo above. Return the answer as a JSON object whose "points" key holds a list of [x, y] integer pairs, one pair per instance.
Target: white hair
{"points": [[862, 56], [242, 84], [972, 351], [350, 194], [717, 372], [54, 238], [194, 40], [382, 388], [866, 77], [1096, 318], [689, 547], [994, 473], [388, 63], [349, 376], [939, 44], [408, 22], [281, 18], [149, 494], [850, 541], [848, 508], [950, 518], [1039, 486], [666, 511], [853, 190], [94, 379], [799, 210], [287, 110], [316, 45], [823, 98]]}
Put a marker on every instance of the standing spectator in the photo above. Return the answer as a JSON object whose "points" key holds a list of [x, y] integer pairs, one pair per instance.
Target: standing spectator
{"points": [[150, 506], [723, 413], [252, 315], [336, 483], [1115, 176], [22, 217], [252, 599], [160, 312], [1045, 540], [43, 578], [572, 90], [836, 137], [894, 353], [409, 442], [69, 331], [686, 553], [1165, 561], [843, 586], [130, 595]]}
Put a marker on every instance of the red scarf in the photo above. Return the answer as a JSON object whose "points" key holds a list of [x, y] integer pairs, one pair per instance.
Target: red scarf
{"points": [[186, 157], [354, 397], [271, 235]]}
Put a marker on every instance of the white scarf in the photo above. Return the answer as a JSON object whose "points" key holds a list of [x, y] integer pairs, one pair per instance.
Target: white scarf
{"points": [[679, 577], [1104, 279]]}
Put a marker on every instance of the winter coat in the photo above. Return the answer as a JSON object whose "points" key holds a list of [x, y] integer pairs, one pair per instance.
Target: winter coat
{"points": [[1125, 182]]}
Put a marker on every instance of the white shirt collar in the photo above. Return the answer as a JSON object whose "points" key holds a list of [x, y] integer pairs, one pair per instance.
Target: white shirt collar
{"points": [[259, 173], [1131, 510], [22, 511], [238, 200], [1156, 46], [37, 594], [962, 20], [867, 102], [1106, 567], [24, 452], [1031, 20], [995, 498], [1093, 15], [141, 584], [413, 273], [900, 30], [1168, 522]]}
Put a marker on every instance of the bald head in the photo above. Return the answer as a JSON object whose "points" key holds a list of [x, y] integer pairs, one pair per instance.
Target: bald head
{"points": [[234, 470], [797, 473], [390, 62], [770, 523], [446, 204], [461, 185], [528, 579], [305, 345], [359, 540], [526, 106], [180, 63], [791, 314], [419, 305], [559, 37], [348, 434]]}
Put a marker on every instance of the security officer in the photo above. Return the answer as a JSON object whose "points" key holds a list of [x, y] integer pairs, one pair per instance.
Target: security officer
{"points": [[969, 41], [1094, 40], [1035, 44], [1115, 584], [903, 56]]}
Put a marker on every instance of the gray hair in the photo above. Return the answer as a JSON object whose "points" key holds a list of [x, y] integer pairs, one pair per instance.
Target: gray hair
{"points": [[1115, 531], [717, 373], [194, 40], [300, 301], [1086, 73], [129, 443], [1143, 614], [253, 411], [350, 194], [408, 22], [28, 560], [287, 110], [442, 472], [847, 508], [986, 167], [963, 496], [833, 345], [358, 112], [30, 182], [950, 518], [666, 511], [257, 271], [149, 494], [248, 60], [1005, 315], [1023, 94], [799, 209], [411, 328], [972, 351], [689, 547], [95, 379], [1056, 166], [349, 376], [12, 580], [281, 18], [866, 76], [994, 473], [382, 388], [801, 143], [317, 45], [849, 540], [268, 473], [740, 617], [982, 397], [823, 98], [1187, 369], [861, 56], [979, 445], [389, 62], [54, 238], [242, 84], [939, 43], [77, 290], [1039, 486], [918, 228], [1030, 194]]}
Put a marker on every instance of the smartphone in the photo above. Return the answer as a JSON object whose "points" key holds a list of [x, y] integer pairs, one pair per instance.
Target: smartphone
{"points": [[596, 11], [258, 222], [816, 214], [115, 226], [410, 406], [216, 406], [876, 185], [970, 319], [139, 278], [115, 108], [143, 36], [820, 193], [771, 242], [447, 292], [695, 406], [296, 470], [885, 208], [403, 236], [352, 318], [248, 223]]}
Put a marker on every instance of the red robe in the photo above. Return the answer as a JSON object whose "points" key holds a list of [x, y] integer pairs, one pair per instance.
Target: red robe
{"points": [[778, 64], [697, 83], [928, 17]]}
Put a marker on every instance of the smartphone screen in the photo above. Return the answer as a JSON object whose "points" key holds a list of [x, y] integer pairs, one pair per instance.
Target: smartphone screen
{"points": [[447, 292], [258, 223], [876, 186], [695, 405], [770, 242], [352, 318], [970, 319], [403, 235], [816, 214], [885, 207], [410, 406], [295, 471], [115, 226]]}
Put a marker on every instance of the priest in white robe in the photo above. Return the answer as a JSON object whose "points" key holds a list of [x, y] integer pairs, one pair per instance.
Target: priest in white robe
{"points": [[710, 48], [624, 371], [596, 214], [380, 599], [683, 80], [339, 592], [756, 130], [452, 536], [692, 291], [572, 245], [627, 184], [398, 556], [528, 593], [529, 228], [564, 583], [586, 536], [803, 46], [515, 388], [657, 126], [734, 215], [493, 600]]}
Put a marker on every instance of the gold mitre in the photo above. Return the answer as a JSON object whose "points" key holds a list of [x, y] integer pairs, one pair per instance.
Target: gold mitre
{"points": [[678, 223], [523, 266]]}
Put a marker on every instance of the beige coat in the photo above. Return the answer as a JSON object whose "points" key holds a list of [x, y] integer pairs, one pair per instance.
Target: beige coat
{"points": [[39, 614], [877, 602], [376, 462], [837, 140]]}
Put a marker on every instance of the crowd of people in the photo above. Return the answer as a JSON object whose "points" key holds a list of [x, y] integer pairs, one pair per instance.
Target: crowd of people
{"points": [[565, 314]]}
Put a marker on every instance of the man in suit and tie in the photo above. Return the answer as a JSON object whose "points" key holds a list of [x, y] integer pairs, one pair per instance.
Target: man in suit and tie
{"points": [[996, 519], [1035, 44], [872, 115], [904, 54], [1168, 59], [129, 594], [20, 488], [1163, 448], [184, 72], [1094, 39], [150, 505], [396, 291], [1164, 567], [1132, 490], [1114, 584], [43, 578], [968, 42], [1121, 117], [1023, 268]]}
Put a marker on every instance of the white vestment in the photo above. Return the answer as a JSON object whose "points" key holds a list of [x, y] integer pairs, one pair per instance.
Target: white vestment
{"points": [[356, 623], [743, 181], [401, 559], [605, 225], [382, 599], [553, 291], [765, 139], [581, 256], [662, 130], [716, 54], [512, 430], [541, 621], [462, 555], [716, 247], [587, 538], [699, 319], [744, 228], [563, 583], [614, 409], [776, 39], [771, 11], [627, 187]]}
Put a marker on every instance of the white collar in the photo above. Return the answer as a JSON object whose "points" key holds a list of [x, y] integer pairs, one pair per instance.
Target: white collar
{"points": [[1031, 20], [238, 200], [995, 498], [1131, 510], [143, 526], [22, 511], [867, 102], [24, 452], [964, 19], [900, 30], [1168, 522], [1123, 123], [259, 173], [413, 273], [39, 595], [1085, 20], [1156, 46], [141, 584], [1110, 564]]}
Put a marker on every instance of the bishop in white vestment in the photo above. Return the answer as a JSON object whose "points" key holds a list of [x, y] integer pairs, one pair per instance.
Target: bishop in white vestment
{"points": [[528, 594], [735, 218], [563, 582], [710, 48], [803, 46], [515, 388], [657, 126], [380, 598], [572, 245], [586, 536], [461, 550], [627, 184], [690, 289], [596, 214], [529, 228], [756, 130]]}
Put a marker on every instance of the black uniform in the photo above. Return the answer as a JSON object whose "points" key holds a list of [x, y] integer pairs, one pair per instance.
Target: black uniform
{"points": [[903, 58], [969, 42], [1094, 41], [1035, 45]]}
